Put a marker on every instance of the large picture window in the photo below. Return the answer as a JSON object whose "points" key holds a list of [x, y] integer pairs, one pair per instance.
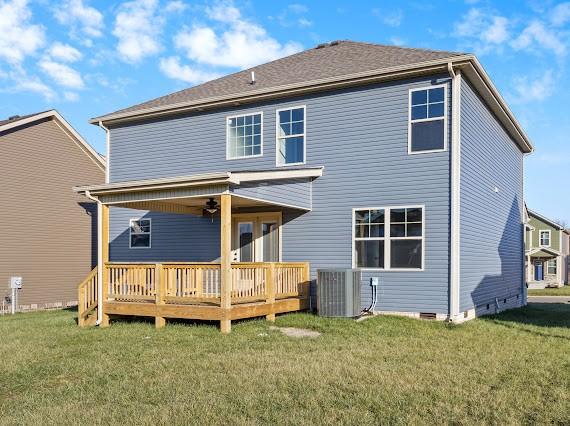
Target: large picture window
{"points": [[140, 233], [291, 136], [390, 238], [427, 120], [244, 136]]}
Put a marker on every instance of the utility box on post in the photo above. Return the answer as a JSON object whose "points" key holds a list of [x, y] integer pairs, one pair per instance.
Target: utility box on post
{"points": [[338, 292]]}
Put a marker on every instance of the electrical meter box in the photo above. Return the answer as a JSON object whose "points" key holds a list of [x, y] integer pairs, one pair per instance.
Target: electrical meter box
{"points": [[16, 282]]}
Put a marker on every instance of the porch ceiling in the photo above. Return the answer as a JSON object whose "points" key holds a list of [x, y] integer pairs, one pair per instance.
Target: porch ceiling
{"points": [[188, 194]]}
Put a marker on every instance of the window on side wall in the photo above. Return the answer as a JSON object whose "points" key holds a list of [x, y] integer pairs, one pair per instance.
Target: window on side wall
{"points": [[427, 127], [390, 238], [244, 136], [551, 267], [544, 238], [140, 233], [291, 136]]}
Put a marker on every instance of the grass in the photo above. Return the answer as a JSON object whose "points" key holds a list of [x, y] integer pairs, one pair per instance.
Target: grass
{"points": [[513, 368], [561, 291]]}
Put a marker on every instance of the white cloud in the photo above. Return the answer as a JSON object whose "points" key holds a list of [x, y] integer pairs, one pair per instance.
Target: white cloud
{"points": [[304, 22], [80, 17], [137, 26], [537, 35], [64, 52], [18, 37], [34, 85], [175, 6], [298, 8], [240, 44], [527, 89], [172, 68], [62, 74], [483, 31], [392, 18], [560, 15], [71, 96]]}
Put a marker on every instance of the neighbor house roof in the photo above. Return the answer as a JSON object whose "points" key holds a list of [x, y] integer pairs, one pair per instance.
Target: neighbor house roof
{"points": [[545, 219], [13, 123], [325, 67]]}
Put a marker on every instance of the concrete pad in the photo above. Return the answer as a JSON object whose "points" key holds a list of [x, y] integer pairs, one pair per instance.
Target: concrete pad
{"points": [[296, 332], [549, 299]]}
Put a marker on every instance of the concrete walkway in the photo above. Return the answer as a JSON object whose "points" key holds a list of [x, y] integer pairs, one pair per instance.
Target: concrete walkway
{"points": [[549, 299]]}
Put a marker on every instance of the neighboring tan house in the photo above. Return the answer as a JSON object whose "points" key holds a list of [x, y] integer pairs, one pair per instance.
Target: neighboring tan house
{"points": [[47, 232], [227, 197], [547, 252]]}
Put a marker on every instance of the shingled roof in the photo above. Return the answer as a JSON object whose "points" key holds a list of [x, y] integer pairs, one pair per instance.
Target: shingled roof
{"points": [[328, 60]]}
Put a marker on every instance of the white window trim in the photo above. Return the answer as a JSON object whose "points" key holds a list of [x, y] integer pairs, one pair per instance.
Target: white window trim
{"points": [[549, 238], [387, 238], [555, 267], [277, 123], [228, 118], [131, 232], [445, 119], [257, 219]]}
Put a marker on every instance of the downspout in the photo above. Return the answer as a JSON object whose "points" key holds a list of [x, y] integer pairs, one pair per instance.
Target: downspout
{"points": [[99, 258], [108, 150], [455, 247]]}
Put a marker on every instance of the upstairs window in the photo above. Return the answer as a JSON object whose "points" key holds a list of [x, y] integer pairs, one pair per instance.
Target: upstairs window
{"points": [[140, 233], [427, 120], [244, 136], [544, 238], [291, 136]]}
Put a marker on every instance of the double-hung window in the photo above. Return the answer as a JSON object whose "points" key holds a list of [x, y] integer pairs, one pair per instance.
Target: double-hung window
{"points": [[551, 267], [544, 238], [140, 233], [389, 238], [244, 136], [291, 136], [427, 127]]}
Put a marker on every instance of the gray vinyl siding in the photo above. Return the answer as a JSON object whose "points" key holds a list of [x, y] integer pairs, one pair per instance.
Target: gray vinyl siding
{"points": [[491, 222], [290, 192], [359, 135]]}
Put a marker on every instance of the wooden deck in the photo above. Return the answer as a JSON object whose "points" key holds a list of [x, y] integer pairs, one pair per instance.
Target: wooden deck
{"points": [[193, 291]]}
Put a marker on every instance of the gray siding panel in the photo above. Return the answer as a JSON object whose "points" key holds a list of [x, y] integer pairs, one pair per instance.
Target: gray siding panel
{"points": [[290, 192], [491, 222], [360, 136]]}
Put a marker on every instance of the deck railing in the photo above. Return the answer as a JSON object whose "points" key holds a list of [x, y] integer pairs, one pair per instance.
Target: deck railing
{"points": [[200, 282], [87, 299]]}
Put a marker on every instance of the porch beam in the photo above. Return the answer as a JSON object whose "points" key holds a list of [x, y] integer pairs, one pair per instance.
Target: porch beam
{"points": [[225, 260]]}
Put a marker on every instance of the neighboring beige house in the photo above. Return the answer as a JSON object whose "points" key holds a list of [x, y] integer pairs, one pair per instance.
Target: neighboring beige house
{"points": [[547, 252], [47, 232]]}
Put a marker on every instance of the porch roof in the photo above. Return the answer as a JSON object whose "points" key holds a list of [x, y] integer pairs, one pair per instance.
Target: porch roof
{"points": [[544, 252], [186, 194]]}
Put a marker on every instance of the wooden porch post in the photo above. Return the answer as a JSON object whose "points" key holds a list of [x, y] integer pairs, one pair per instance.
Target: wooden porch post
{"points": [[225, 260], [104, 236], [160, 285], [270, 286]]}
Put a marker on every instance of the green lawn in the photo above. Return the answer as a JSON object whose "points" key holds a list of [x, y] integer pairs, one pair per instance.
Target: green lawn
{"points": [[562, 291], [510, 369]]}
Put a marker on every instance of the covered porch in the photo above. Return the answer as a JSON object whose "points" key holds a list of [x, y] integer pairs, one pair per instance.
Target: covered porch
{"points": [[249, 279], [543, 268]]}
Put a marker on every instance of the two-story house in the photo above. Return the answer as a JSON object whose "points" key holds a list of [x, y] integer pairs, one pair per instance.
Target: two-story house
{"points": [[225, 198], [547, 252]]}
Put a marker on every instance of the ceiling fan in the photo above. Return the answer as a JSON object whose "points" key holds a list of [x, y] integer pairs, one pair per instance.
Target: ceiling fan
{"points": [[211, 208]]}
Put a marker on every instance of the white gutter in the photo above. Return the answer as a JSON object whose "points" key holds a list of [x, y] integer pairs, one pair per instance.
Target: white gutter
{"points": [[455, 265], [108, 149], [99, 257]]}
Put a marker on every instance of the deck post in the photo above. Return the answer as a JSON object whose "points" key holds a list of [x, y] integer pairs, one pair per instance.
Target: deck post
{"points": [[104, 236], [270, 288], [225, 261], [160, 285]]}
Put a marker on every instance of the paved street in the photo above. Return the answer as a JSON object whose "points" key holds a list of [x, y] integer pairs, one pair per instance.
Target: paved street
{"points": [[549, 299]]}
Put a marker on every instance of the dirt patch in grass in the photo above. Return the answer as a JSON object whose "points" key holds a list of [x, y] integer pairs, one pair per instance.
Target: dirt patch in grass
{"points": [[296, 332]]}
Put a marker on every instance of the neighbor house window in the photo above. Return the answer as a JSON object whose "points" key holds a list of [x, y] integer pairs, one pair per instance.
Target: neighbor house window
{"points": [[551, 267], [244, 136], [291, 136], [389, 238], [427, 120], [140, 233], [544, 238]]}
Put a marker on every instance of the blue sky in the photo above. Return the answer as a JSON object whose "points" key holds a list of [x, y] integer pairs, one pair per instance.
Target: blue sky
{"points": [[87, 58]]}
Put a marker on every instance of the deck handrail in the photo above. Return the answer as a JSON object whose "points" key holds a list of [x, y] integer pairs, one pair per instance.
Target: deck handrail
{"points": [[87, 299]]}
